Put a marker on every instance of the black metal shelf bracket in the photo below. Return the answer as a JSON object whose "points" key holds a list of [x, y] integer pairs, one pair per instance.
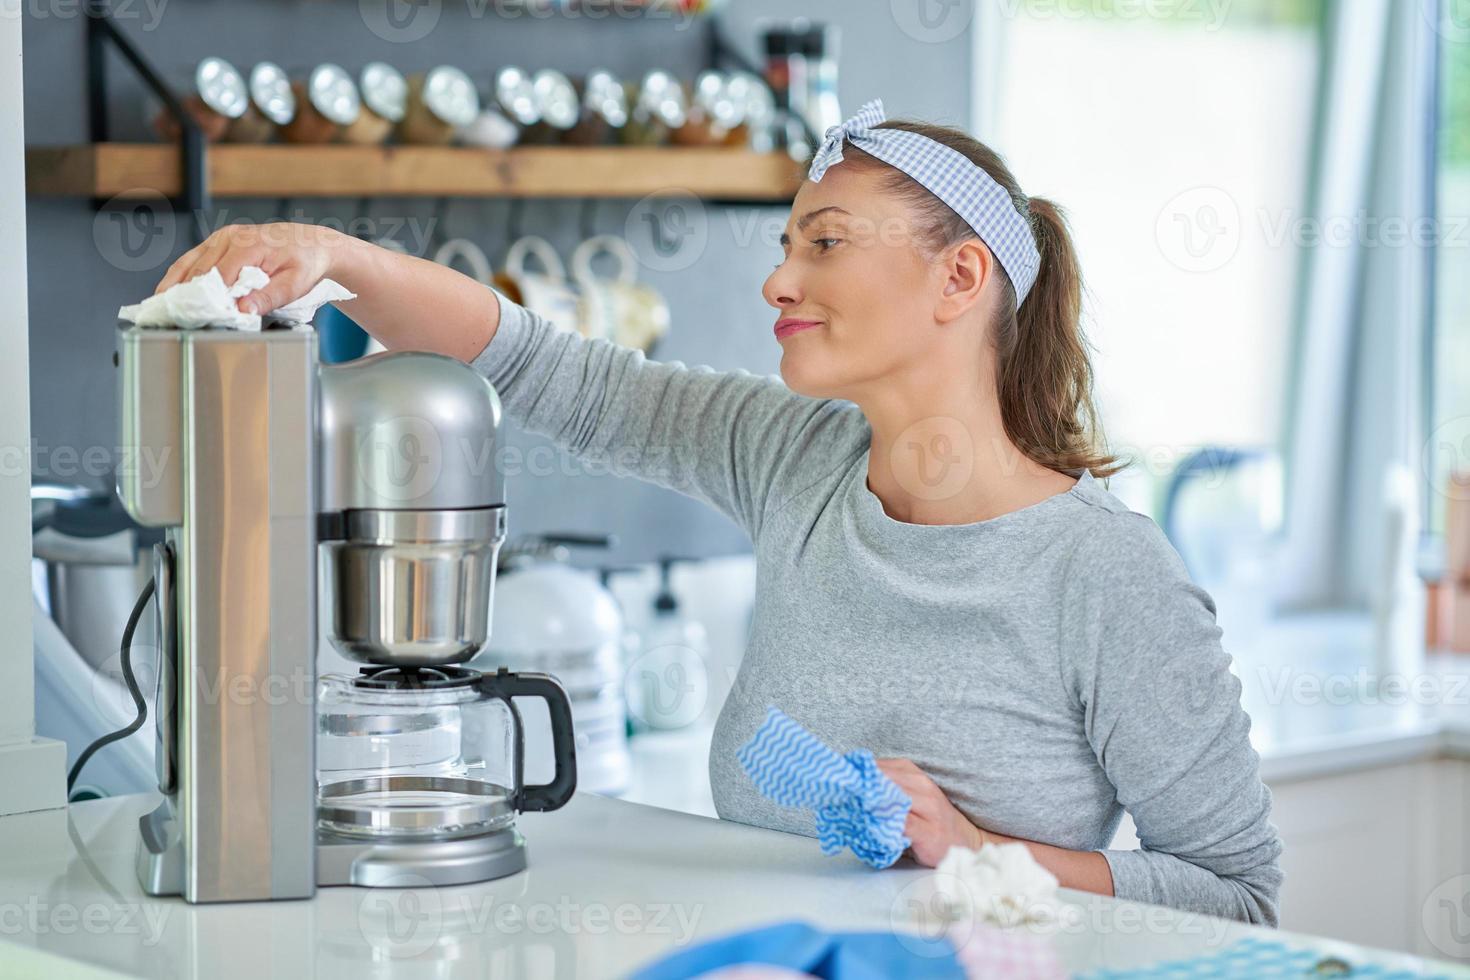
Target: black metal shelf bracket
{"points": [[193, 160]]}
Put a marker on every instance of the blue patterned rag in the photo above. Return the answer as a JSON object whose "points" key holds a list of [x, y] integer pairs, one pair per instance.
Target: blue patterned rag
{"points": [[856, 805]]}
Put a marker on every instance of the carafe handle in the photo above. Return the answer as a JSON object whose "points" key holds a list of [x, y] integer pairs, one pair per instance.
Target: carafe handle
{"points": [[544, 796]]}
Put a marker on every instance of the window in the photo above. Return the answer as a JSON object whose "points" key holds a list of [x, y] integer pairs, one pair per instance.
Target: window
{"points": [[1448, 438], [1176, 135]]}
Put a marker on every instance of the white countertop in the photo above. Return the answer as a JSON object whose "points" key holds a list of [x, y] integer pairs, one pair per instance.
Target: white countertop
{"points": [[611, 886]]}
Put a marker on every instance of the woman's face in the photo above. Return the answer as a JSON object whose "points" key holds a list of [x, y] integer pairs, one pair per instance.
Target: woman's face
{"points": [[855, 294]]}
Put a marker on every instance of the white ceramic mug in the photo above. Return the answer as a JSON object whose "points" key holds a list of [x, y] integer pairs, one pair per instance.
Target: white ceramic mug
{"points": [[619, 308], [545, 293]]}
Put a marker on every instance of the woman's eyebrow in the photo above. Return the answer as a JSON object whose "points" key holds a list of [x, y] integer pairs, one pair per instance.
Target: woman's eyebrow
{"points": [[811, 216]]}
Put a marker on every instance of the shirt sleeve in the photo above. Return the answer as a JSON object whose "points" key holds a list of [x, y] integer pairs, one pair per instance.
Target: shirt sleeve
{"points": [[1163, 714], [725, 438]]}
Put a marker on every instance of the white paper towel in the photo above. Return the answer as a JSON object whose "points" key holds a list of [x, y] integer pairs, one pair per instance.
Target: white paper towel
{"points": [[205, 301], [1000, 882]]}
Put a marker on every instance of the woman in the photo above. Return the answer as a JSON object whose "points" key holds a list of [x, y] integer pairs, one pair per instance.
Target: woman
{"points": [[941, 577]]}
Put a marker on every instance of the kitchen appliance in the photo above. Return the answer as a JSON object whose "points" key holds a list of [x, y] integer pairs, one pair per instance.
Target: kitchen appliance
{"points": [[385, 464], [560, 620]]}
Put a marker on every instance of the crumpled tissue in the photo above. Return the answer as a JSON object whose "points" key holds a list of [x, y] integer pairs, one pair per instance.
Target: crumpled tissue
{"points": [[1001, 883], [205, 301], [855, 804]]}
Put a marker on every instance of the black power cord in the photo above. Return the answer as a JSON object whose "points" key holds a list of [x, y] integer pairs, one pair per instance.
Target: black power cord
{"points": [[132, 683]]}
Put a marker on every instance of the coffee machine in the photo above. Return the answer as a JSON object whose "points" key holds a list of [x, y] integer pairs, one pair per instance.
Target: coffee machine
{"points": [[369, 491]]}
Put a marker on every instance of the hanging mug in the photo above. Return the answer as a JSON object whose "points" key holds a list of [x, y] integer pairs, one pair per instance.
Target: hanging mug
{"points": [[462, 249], [619, 307], [545, 293]]}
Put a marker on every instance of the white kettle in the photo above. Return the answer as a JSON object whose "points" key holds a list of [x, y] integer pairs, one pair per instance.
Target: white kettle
{"points": [[556, 619]]}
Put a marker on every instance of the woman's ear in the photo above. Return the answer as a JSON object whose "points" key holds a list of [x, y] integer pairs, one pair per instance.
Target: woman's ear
{"points": [[965, 268]]}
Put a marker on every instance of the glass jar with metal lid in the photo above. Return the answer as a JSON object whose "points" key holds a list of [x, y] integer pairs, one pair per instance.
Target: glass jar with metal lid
{"points": [[384, 94], [326, 104], [712, 112], [557, 108], [515, 94], [215, 98], [604, 110], [441, 102], [758, 113], [271, 105], [659, 108]]}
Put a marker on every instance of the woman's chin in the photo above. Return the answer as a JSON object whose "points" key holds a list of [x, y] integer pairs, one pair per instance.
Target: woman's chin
{"points": [[799, 374]]}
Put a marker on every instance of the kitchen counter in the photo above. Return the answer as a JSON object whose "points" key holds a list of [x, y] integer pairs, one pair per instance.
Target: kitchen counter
{"points": [[611, 886]]}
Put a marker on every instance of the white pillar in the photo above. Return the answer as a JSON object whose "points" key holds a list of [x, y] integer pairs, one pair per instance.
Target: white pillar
{"points": [[32, 770]]}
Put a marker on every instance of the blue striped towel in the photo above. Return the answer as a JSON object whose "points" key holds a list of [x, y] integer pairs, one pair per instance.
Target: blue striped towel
{"points": [[856, 805]]}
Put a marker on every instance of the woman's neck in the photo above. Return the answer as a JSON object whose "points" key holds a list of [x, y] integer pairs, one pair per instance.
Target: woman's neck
{"points": [[940, 454]]}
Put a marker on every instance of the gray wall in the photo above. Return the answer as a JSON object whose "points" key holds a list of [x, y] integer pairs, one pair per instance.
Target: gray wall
{"points": [[80, 273]]}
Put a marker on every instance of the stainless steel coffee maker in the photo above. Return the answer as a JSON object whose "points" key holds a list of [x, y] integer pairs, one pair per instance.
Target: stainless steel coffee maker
{"points": [[369, 490]]}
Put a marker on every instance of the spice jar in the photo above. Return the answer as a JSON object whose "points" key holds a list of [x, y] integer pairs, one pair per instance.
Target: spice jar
{"points": [[757, 113], [215, 100], [712, 112], [271, 104], [384, 92], [659, 108], [556, 107], [515, 94], [440, 103], [604, 110], [325, 105]]}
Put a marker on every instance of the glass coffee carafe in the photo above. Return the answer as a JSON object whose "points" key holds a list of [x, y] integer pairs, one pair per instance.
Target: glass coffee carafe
{"points": [[432, 753]]}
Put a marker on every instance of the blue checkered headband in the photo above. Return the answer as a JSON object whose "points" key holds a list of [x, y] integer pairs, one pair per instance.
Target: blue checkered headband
{"points": [[950, 176]]}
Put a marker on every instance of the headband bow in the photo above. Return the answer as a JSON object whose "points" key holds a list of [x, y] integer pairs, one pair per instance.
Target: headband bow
{"points": [[950, 176]]}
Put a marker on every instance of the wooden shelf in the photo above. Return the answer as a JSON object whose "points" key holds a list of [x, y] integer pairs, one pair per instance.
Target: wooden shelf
{"points": [[108, 170]]}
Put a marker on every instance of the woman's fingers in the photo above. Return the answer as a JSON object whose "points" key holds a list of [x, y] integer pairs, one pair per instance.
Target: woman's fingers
{"points": [[175, 273], [286, 286]]}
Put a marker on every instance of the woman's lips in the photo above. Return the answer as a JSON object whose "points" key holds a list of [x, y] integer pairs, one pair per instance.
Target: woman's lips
{"points": [[785, 328]]}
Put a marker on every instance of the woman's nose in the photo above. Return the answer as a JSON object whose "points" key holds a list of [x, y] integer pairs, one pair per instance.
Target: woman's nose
{"points": [[781, 290]]}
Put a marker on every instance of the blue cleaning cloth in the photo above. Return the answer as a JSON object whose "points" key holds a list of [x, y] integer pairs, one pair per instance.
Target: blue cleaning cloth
{"points": [[834, 956], [1250, 959], [856, 805]]}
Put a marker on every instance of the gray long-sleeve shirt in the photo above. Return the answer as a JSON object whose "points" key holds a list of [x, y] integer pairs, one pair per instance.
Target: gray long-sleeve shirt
{"points": [[1048, 668]]}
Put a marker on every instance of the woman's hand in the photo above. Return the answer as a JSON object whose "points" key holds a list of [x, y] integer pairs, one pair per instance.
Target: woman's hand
{"points": [[295, 256], [934, 825], [405, 302]]}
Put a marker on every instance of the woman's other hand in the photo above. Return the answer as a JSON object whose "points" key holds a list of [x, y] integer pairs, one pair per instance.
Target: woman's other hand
{"points": [[933, 825]]}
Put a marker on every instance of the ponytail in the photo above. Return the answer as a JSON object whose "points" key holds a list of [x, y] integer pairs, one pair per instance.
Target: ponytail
{"points": [[1044, 369]]}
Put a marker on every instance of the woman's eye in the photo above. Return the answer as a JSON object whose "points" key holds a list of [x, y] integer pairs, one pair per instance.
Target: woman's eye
{"points": [[826, 244]]}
